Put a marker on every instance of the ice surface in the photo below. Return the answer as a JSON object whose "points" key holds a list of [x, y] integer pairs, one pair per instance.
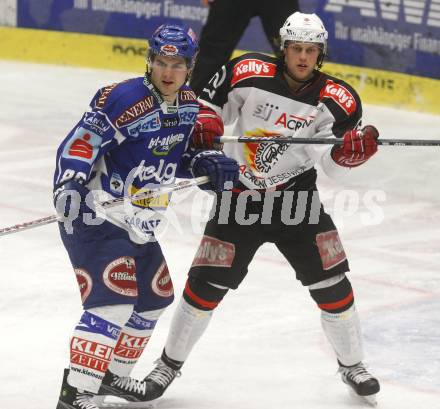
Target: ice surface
{"points": [[264, 348]]}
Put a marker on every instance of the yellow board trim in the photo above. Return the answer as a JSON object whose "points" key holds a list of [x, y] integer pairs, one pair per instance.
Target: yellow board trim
{"points": [[73, 49], [378, 87]]}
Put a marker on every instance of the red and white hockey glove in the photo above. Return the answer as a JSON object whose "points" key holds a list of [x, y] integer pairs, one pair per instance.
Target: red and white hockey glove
{"points": [[208, 126], [358, 147]]}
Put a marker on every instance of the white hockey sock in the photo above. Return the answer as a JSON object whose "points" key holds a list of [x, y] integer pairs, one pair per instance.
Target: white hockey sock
{"points": [[343, 331], [133, 340], [187, 326], [92, 344]]}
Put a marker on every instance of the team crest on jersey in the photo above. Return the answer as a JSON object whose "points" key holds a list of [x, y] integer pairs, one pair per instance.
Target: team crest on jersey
{"points": [[252, 67], [120, 276], [340, 95], [261, 157], [161, 283]]}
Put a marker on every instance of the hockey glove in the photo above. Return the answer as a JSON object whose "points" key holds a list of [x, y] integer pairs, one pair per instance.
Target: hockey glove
{"points": [[222, 171], [208, 126], [358, 147], [70, 204]]}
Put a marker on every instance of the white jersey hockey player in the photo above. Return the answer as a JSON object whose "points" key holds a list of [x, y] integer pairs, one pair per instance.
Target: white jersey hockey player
{"points": [[291, 97]]}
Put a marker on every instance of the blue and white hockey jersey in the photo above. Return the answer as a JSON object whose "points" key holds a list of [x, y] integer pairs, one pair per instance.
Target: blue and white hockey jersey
{"points": [[130, 139]]}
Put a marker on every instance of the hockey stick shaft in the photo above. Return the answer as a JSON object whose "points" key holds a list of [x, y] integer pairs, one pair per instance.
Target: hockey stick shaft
{"points": [[324, 141], [184, 184]]}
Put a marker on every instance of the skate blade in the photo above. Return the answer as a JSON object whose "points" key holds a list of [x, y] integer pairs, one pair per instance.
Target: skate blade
{"points": [[107, 401], [369, 400]]}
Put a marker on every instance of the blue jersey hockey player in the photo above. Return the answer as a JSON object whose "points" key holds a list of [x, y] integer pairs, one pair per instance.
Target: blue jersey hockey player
{"points": [[136, 134]]}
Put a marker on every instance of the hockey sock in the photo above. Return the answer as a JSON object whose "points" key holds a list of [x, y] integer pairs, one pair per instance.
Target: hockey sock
{"points": [[339, 318], [343, 331], [333, 295], [133, 340], [187, 326], [203, 295], [92, 344]]}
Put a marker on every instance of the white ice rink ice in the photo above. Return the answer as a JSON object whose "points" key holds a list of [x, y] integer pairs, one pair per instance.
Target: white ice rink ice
{"points": [[264, 348]]}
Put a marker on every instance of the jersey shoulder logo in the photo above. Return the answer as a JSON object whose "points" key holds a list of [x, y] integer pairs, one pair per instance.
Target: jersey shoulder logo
{"points": [[252, 67], [341, 95]]}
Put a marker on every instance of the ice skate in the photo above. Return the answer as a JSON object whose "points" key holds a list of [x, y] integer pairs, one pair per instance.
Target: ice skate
{"points": [[118, 391], [73, 398], [160, 378], [125, 392], [362, 385]]}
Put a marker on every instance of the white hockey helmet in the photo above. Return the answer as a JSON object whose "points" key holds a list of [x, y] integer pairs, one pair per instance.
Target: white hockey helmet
{"points": [[305, 28]]}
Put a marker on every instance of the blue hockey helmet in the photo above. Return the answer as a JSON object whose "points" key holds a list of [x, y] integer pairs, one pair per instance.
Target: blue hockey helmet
{"points": [[174, 40]]}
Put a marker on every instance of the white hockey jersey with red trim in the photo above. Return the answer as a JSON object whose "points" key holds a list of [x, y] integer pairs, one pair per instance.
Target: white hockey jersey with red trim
{"points": [[252, 93]]}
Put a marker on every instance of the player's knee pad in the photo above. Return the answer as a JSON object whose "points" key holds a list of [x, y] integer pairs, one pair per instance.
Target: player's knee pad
{"points": [[333, 295], [203, 295]]}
